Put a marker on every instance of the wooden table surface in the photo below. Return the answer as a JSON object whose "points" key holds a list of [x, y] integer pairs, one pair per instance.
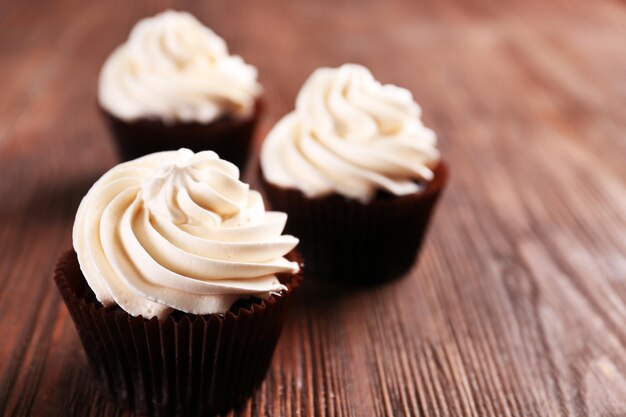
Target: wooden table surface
{"points": [[518, 305]]}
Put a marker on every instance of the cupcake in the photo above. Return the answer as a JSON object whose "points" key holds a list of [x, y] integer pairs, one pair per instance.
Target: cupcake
{"points": [[178, 283], [358, 174], [173, 84]]}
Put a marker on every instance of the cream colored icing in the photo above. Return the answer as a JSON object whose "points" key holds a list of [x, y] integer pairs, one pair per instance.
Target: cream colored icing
{"points": [[178, 230], [176, 69], [349, 134]]}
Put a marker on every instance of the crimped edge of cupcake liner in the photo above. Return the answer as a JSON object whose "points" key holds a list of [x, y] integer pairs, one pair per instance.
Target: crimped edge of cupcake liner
{"points": [[230, 137], [346, 241]]}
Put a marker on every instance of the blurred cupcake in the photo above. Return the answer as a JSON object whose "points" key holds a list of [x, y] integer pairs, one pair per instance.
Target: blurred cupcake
{"points": [[173, 84], [178, 283], [357, 172]]}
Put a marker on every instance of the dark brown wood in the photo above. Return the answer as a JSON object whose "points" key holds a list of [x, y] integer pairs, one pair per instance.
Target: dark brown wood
{"points": [[519, 302]]}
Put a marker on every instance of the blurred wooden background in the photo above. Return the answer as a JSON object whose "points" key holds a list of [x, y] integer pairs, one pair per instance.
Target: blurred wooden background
{"points": [[519, 302]]}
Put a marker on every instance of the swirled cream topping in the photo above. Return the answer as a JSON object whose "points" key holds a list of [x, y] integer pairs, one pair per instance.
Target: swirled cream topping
{"points": [[351, 135], [178, 230], [176, 69]]}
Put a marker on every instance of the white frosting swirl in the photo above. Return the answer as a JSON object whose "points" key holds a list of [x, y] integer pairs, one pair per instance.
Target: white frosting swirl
{"points": [[176, 69], [178, 230], [351, 135]]}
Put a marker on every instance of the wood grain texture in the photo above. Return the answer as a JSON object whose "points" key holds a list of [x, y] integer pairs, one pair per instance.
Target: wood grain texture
{"points": [[519, 302]]}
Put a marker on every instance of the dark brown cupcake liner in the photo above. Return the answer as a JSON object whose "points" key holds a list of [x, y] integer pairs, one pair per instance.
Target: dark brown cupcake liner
{"points": [[230, 137], [184, 365], [346, 241]]}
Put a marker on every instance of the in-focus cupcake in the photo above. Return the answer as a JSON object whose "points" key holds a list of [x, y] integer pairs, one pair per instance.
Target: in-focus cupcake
{"points": [[357, 172], [173, 84], [178, 283]]}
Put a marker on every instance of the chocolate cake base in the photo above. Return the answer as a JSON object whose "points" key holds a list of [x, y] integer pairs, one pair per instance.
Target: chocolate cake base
{"points": [[186, 365], [344, 240], [230, 137]]}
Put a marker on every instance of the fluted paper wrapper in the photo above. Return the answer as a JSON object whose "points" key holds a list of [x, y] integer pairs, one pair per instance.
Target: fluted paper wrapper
{"points": [[185, 365], [229, 136], [346, 241]]}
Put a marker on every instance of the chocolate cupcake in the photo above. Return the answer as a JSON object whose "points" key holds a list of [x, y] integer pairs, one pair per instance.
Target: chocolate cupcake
{"points": [[173, 84], [358, 174], [178, 283]]}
